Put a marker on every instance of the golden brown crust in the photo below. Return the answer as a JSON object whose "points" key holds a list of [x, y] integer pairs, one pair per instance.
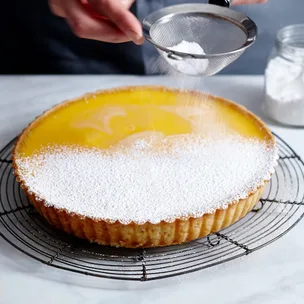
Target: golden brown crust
{"points": [[145, 235]]}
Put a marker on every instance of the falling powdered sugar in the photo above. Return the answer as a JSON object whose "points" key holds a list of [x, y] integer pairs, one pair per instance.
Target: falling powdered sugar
{"points": [[143, 183]]}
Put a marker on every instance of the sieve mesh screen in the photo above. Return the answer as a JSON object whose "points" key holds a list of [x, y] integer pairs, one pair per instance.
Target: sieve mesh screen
{"points": [[222, 33], [215, 35]]}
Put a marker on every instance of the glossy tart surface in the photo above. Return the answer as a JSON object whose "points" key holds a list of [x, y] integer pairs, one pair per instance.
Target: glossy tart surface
{"points": [[103, 119], [140, 126]]}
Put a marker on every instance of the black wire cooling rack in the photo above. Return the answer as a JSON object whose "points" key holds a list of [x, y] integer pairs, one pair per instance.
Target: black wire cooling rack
{"points": [[280, 209]]}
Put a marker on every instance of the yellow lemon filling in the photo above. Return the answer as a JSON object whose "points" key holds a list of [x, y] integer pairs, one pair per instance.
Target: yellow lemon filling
{"points": [[115, 117]]}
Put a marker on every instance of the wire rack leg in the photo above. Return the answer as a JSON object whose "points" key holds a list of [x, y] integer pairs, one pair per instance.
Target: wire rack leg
{"points": [[141, 258]]}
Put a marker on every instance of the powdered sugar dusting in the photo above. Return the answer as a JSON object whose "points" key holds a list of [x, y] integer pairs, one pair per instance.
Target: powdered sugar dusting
{"points": [[189, 66], [145, 182]]}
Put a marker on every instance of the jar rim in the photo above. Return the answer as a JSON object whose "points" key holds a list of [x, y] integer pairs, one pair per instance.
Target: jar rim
{"points": [[291, 38]]}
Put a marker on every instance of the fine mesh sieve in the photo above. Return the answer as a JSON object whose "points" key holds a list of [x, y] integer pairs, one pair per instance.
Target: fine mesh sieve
{"points": [[223, 33]]}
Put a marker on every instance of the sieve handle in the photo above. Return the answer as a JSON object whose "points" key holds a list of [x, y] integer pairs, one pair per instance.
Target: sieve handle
{"points": [[173, 56], [224, 3]]}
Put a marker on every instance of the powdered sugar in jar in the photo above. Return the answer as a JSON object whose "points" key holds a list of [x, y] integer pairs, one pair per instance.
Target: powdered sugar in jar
{"points": [[284, 77]]}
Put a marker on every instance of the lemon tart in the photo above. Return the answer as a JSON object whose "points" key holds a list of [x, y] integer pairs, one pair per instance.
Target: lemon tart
{"points": [[144, 166]]}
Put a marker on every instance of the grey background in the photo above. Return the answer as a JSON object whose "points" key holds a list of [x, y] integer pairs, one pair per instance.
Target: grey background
{"points": [[270, 18]]}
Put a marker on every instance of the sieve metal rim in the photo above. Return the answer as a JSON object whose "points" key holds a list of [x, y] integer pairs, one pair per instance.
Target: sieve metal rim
{"points": [[163, 15]]}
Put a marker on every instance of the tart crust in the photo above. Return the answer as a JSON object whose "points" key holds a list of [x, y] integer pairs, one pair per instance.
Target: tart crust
{"points": [[145, 235]]}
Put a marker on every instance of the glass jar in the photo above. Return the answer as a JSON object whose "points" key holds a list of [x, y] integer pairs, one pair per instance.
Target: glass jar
{"points": [[284, 77]]}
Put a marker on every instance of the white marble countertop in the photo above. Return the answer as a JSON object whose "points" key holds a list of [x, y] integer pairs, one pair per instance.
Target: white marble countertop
{"points": [[274, 274]]}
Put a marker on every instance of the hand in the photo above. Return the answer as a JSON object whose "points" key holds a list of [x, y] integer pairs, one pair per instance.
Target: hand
{"points": [[116, 25], [238, 2]]}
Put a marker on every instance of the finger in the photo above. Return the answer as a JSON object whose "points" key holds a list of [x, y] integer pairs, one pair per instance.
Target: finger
{"points": [[240, 2], [84, 26], [56, 8], [121, 17], [125, 3]]}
